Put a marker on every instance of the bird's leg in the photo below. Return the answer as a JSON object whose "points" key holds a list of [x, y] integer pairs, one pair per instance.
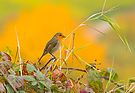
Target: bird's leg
{"points": [[48, 61], [46, 64], [53, 56], [40, 59]]}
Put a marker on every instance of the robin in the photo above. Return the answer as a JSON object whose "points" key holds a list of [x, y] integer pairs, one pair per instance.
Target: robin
{"points": [[53, 45]]}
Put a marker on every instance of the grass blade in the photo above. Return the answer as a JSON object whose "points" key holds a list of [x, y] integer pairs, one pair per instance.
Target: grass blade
{"points": [[80, 48], [87, 63], [114, 29], [120, 30], [124, 80]]}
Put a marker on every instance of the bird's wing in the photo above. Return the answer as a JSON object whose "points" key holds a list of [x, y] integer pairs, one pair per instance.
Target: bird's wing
{"points": [[50, 45]]}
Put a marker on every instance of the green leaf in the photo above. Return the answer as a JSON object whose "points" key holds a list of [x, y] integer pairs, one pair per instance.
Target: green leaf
{"points": [[124, 80], [34, 83], [7, 47], [42, 82], [0, 54], [12, 71], [104, 73], [55, 89], [39, 75], [66, 47], [28, 78], [97, 84], [31, 68], [103, 19], [80, 48], [5, 66], [115, 77], [10, 52], [10, 89], [17, 81], [92, 75], [113, 73], [41, 86], [125, 40], [131, 81], [87, 63], [22, 91], [115, 30], [69, 90], [111, 70]]}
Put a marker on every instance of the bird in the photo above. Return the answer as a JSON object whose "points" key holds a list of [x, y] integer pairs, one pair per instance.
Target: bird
{"points": [[53, 45]]}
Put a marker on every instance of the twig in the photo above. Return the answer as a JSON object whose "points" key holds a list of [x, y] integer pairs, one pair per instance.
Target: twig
{"points": [[103, 7], [99, 31], [67, 56], [46, 64], [75, 56], [60, 57], [16, 55], [95, 29], [106, 78], [64, 62], [66, 66], [54, 59], [130, 87], [19, 52], [110, 80], [119, 87], [111, 9], [71, 68], [72, 53]]}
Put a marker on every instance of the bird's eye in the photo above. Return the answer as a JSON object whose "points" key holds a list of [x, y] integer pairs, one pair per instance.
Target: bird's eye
{"points": [[60, 35]]}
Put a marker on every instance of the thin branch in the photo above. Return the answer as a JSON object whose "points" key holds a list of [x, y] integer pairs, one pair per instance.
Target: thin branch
{"points": [[111, 9], [110, 80], [19, 52], [67, 57], [130, 87], [16, 55], [119, 87], [103, 7], [73, 50], [60, 57], [75, 57], [95, 29], [89, 18], [46, 64], [71, 68], [54, 59], [66, 65], [100, 31]]}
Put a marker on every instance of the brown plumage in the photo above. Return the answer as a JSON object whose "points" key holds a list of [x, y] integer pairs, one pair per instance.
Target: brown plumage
{"points": [[53, 45]]}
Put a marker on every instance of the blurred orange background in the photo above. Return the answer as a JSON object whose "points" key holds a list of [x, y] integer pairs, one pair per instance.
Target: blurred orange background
{"points": [[37, 21]]}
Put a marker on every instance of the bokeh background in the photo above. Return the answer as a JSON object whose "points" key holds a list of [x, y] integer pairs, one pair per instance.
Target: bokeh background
{"points": [[36, 22]]}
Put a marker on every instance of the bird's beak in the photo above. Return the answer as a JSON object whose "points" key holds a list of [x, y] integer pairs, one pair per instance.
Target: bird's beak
{"points": [[64, 36]]}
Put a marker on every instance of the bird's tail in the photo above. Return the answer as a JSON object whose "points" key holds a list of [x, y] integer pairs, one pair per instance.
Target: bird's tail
{"points": [[41, 58]]}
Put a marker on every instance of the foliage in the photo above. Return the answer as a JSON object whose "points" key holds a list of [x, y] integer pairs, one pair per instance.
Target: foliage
{"points": [[30, 79], [33, 81]]}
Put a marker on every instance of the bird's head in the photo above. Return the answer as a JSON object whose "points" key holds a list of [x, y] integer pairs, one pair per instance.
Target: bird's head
{"points": [[59, 36]]}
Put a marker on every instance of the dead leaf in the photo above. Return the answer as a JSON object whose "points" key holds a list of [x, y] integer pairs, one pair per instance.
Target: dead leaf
{"points": [[5, 56], [58, 75]]}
